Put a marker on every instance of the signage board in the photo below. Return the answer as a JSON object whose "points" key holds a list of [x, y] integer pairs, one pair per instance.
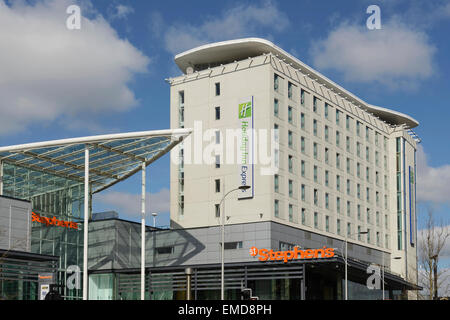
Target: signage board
{"points": [[246, 140]]}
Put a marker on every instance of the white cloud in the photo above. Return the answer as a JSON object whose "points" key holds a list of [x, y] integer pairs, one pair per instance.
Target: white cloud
{"points": [[49, 72], [433, 183], [240, 21], [121, 12], [394, 56], [130, 204]]}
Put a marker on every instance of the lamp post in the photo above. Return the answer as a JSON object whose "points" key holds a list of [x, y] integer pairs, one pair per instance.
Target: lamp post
{"points": [[154, 214], [345, 260], [435, 275], [222, 284]]}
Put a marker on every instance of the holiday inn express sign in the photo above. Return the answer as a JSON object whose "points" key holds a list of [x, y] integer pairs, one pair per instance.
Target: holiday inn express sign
{"points": [[246, 164]]}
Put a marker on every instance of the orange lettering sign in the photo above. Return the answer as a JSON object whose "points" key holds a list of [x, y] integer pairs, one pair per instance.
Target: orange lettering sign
{"points": [[53, 221], [271, 255]]}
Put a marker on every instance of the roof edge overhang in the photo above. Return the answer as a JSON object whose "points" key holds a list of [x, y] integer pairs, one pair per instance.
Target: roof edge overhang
{"points": [[250, 47]]}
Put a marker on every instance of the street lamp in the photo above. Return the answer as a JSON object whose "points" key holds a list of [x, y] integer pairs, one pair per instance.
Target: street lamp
{"points": [[346, 281], [222, 284], [154, 214]]}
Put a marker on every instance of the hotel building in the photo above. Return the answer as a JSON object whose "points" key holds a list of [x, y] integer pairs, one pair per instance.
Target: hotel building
{"points": [[346, 168]]}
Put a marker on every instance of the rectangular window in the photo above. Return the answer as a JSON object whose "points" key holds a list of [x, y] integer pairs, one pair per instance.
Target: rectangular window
{"points": [[303, 168], [290, 89], [349, 209], [327, 154], [347, 122], [291, 164], [302, 144], [326, 110], [316, 197], [348, 187], [338, 205], [290, 140], [165, 250], [349, 229], [316, 220], [275, 107], [338, 183], [327, 182], [338, 138], [276, 183], [358, 149], [315, 127], [347, 144], [217, 161], [217, 137], [232, 245], [327, 200], [337, 117], [303, 190], [217, 88], [326, 133], [315, 151], [327, 223], [302, 121], [302, 97], [217, 184], [290, 114], [338, 226], [276, 82], [217, 114], [359, 211], [277, 208], [358, 128], [338, 160], [217, 210], [291, 213], [291, 188], [367, 154], [348, 167], [315, 104], [315, 174], [303, 216]]}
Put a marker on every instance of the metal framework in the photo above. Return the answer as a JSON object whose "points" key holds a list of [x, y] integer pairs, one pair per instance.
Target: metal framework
{"points": [[97, 162]]}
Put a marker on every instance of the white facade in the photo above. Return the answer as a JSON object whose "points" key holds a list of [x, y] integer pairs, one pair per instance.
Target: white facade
{"points": [[337, 154]]}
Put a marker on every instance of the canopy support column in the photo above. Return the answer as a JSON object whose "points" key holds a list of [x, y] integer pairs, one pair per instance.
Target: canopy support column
{"points": [[86, 223], [143, 234]]}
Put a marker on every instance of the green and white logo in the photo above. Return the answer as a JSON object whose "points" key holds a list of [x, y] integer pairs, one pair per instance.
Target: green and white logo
{"points": [[245, 110]]}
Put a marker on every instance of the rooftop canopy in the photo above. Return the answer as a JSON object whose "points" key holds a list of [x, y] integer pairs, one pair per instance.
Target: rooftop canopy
{"points": [[112, 158]]}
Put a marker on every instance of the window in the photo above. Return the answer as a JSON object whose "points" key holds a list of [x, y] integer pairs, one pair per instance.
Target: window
{"points": [[303, 168], [327, 200], [338, 160], [377, 218], [290, 114], [315, 127], [358, 190], [327, 153], [277, 208], [367, 154], [358, 128], [316, 197], [276, 182], [358, 170], [338, 140], [302, 144], [315, 104], [217, 88], [338, 183], [327, 223], [367, 133], [349, 209], [337, 117], [368, 194], [348, 165], [315, 152], [347, 122], [302, 97], [290, 141], [165, 250], [347, 144], [217, 210], [348, 187], [359, 211], [349, 229], [217, 161], [316, 220], [302, 121], [217, 183], [327, 182], [275, 107], [217, 113], [338, 226], [338, 205], [290, 89], [315, 174], [276, 82], [232, 245], [367, 174], [303, 216], [303, 190], [368, 215], [291, 188], [359, 233], [326, 133], [326, 110], [291, 213], [217, 137], [291, 164]]}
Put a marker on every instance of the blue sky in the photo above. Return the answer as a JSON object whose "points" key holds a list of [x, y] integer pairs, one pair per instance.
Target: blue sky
{"points": [[109, 76]]}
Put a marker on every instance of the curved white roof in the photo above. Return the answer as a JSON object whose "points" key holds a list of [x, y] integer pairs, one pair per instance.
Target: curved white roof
{"points": [[234, 50]]}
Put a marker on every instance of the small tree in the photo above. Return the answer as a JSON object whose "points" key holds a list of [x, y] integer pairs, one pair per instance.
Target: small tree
{"points": [[432, 241]]}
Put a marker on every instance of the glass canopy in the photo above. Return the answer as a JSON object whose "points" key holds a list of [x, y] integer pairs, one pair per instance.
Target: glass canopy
{"points": [[48, 166]]}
